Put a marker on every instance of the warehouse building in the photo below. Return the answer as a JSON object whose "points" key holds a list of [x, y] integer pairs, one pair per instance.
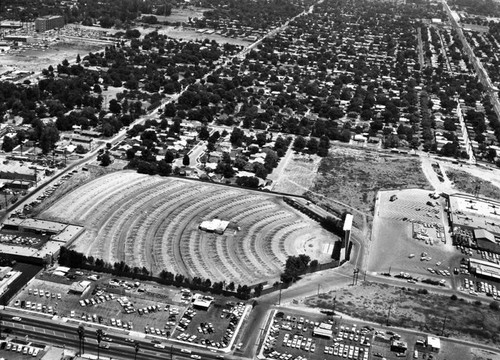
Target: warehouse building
{"points": [[486, 240], [483, 268]]}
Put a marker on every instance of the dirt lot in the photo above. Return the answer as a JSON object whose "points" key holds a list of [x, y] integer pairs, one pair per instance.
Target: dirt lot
{"points": [[298, 174], [410, 308], [465, 182], [354, 176], [38, 59]]}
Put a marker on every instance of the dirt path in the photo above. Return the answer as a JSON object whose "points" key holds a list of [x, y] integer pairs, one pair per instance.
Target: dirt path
{"points": [[445, 186], [277, 175]]}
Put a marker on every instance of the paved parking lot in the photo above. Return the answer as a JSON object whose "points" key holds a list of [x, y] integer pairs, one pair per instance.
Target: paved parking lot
{"points": [[315, 337], [140, 307]]}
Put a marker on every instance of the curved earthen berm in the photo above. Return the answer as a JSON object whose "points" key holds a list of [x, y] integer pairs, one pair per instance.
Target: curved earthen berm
{"points": [[153, 221]]}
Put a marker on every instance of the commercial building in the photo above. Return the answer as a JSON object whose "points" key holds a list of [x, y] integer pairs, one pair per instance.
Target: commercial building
{"points": [[10, 24], [433, 343], [323, 330], [80, 287], [16, 171], [484, 268], [486, 240], [48, 22], [202, 302], [475, 221], [19, 38]]}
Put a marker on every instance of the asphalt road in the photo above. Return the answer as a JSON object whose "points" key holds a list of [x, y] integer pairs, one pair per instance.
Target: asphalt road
{"points": [[65, 334]]}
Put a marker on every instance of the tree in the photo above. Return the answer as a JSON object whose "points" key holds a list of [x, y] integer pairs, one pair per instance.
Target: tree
{"points": [[8, 144], [48, 138], [237, 137], [80, 149], [312, 145], [99, 334], [164, 168], [114, 106], [185, 160], [260, 170], [204, 134], [169, 156], [81, 336], [299, 143], [137, 347], [257, 290], [294, 267], [105, 159]]}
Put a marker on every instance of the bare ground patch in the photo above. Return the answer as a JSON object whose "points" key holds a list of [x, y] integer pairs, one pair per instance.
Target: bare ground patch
{"points": [[415, 309], [354, 176], [465, 182]]}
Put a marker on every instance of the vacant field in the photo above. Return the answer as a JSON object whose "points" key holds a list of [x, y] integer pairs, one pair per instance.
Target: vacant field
{"points": [[465, 182], [38, 59], [298, 174], [411, 309], [355, 176], [153, 222]]}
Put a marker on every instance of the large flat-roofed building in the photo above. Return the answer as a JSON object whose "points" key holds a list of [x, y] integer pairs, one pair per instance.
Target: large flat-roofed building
{"points": [[19, 38], [16, 171], [7, 24], [471, 212], [478, 219], [484, 268], [485, 240], [49, 22]]}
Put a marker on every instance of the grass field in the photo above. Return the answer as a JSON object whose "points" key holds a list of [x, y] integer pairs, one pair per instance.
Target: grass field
{"points": [[298, 175], [355, 176], [467, 183], [411, 309], [153, 221]]}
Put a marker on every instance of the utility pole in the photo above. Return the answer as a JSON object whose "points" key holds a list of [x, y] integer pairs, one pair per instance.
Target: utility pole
{"points": [[444, 324], [388, 315], [355, 276], [279, 298]]}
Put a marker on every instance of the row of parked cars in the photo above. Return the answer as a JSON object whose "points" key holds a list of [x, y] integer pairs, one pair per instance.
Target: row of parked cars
{"points": [[28, 305], [24, 349], [299, 342], [96, 300], [42, 293], [481, 287]]}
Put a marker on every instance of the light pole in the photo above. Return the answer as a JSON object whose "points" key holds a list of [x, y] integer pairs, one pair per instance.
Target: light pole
{"points": [[98, 334]]}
